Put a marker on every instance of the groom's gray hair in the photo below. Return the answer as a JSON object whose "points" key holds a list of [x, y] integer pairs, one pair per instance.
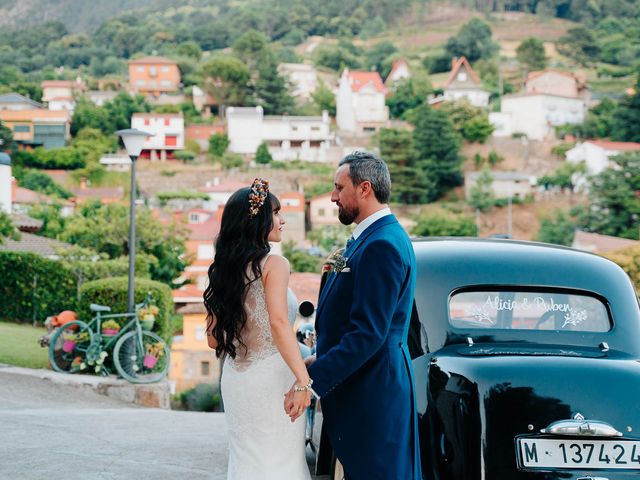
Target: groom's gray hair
{"points": [[368, 167]]}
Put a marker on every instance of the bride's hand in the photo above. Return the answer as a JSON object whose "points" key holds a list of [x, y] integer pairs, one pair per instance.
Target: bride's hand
{"points": [[299, 403]]}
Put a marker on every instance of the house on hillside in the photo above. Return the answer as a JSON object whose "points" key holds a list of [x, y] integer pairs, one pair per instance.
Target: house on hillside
{"points": [[596, 154], [220, 191], [99, 98], [201, 133], [464, 83], [399, 71], [204, 103], [322, 211], [536, 114], [167, 134], [360, 102], [38, 127], [302, 77], [288, 137], [192, 361], [595, 242], [293, 209], [557, 82], [153, 76], [85, 193], [504, 185], [62, 94], [15, 101]]}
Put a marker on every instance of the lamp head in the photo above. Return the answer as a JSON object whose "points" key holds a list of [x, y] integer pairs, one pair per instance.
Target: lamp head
{"points": [[133, 140]]}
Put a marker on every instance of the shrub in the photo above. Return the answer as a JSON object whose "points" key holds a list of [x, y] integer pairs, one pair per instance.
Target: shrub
{"points": [[445, 226], [185, 156], [262, 154], [113, 293], [204, 397], [164, 197], [34, 287], [64, 158], [218, 144]]}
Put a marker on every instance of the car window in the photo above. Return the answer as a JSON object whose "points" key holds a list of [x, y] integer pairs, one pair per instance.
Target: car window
{"points": [[523, 310]]}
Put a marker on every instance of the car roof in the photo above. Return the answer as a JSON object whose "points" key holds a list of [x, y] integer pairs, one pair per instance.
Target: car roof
{"points": [[446, 264]]}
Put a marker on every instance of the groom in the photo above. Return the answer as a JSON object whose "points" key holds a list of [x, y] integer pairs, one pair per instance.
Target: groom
{"points": [[363, 373]]}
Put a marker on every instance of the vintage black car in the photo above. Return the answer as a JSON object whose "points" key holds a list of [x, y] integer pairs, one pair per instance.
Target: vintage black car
{"points": [[527, 364]]}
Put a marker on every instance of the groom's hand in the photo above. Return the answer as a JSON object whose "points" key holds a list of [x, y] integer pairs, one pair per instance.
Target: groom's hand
{"points": [[288, 401]]}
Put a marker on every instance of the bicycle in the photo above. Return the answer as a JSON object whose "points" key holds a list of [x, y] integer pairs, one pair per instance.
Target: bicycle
{"points": [[139, 356]]}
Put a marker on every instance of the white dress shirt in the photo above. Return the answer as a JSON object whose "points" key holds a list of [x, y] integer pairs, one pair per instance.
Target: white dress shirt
{"points": [[363, 225]]}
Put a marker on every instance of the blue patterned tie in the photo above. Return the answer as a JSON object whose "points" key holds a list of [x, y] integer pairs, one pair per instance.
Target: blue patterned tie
{"points": [[350, 242]]}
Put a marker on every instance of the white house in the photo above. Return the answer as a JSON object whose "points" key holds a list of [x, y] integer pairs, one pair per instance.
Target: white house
{"points": [[302, 77], [167, 133], [99, 98], [399, 71], [557, 82], [536, 114], [596, 154], [360, 103], [288, 137], [220, 192], [115, 162], [61, 94], [464, 82], [505, 184]]}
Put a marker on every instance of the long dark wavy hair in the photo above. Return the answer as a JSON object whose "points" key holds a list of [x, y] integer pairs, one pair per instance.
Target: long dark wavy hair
{"points": [[242, 242]]}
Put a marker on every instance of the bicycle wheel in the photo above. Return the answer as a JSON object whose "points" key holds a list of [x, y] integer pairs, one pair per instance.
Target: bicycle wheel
{"points": [[68, 347], [145, 361]]}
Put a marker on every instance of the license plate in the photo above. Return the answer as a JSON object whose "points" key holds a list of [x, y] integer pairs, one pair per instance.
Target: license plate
{"points": [[579, 453]]}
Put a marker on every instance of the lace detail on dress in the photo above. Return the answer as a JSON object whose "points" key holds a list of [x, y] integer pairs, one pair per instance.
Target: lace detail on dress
{"points": [[256, 334]]}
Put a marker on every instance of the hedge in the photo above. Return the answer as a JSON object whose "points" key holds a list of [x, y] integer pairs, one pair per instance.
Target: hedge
{"points": [[113, 293], [33, 287]]}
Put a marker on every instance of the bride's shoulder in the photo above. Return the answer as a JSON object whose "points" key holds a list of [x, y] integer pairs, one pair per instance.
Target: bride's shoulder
{"points": [[274, 262]]}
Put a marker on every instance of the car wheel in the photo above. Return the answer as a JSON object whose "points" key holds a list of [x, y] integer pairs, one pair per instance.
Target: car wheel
{"points": [[337, 472]]}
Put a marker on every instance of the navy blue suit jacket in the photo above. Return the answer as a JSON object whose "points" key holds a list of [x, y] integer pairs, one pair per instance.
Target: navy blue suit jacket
{"points": [[363, 370]]}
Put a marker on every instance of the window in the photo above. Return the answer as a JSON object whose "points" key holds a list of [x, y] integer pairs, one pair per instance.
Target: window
{"points": [[167, 122], [321, 212], [194, 218], [140, 68], [165, 83], [140, 83], [200, 332], [164, 69], [205, 368], [523, 310], [147, 121], [153, 71], [21, 128], [205, 252], [170, 140], [315, 129], [462, 76]]}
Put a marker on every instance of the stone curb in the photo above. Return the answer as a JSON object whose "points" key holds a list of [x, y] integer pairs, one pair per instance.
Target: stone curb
{"points": [[154, 395]]}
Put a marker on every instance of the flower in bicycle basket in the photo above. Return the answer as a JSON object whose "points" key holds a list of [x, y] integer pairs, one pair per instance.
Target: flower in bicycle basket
{"points": [[110, 325], [148, 310]]}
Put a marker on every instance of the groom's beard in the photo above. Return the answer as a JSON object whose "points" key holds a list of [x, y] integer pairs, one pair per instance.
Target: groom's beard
{"points": [[348, 216]]}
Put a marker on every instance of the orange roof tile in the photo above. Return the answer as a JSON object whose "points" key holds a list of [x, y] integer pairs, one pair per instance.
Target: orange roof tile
{"points": [[456, 66], [359, 80], [152, 59], [622, 146]]}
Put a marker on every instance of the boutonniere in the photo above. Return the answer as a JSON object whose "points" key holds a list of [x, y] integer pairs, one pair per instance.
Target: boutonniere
{"points": [[336, 262]]}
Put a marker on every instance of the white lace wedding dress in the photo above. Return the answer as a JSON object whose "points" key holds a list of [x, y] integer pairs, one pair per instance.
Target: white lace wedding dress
{"points": [[263, 443]]}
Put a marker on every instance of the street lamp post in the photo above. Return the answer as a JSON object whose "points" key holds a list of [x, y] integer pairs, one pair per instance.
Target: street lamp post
{"points": [[133, 140]]}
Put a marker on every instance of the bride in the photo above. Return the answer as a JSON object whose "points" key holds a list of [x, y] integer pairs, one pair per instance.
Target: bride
{"points": [[247, 323]]}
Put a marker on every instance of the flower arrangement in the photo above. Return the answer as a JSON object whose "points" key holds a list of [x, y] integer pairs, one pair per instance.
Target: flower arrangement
{"points": [[148, 310], [336, 262], [154, 352], [110, 328]]}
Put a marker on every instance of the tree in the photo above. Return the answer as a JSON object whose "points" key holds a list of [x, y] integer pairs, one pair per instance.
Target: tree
{"points": [[329, 237], [408, 93], [105, 229], [251, 47], [445, 226], [471, 123], [579, 44], [335, 58], [226, 80], [262, 154], [530, 53], [324, 98], [300, 260], [270, 88], [411, 183], [614, 196], [558, 229], [7, 144], [185, 156], [218, 144], [626, 118], [436, 146], [379, 57], [629, 260], [481, 195], [599, 122], [7, 229], [472, 41]]}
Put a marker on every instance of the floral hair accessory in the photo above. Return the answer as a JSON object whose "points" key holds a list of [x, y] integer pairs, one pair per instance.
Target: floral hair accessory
{"points": [[257, 196]]}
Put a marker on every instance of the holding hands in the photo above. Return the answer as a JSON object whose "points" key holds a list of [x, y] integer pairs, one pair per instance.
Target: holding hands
{"points": [[297, 399]]}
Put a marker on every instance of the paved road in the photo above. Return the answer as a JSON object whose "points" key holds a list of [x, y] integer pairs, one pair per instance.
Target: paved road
{"points": [[51, 431]]}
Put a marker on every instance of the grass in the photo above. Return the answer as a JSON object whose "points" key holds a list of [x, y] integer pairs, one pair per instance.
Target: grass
{"points": [[19, 345]]}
